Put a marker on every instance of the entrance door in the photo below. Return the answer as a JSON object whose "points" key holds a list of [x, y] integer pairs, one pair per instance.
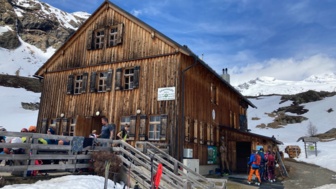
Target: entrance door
{"points": [[243, 155], [96, 124]]}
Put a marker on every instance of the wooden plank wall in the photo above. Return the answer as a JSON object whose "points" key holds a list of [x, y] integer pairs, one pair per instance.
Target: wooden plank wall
{"points": [[154, 73], [137, 43], [156, 57], [199, 107]]}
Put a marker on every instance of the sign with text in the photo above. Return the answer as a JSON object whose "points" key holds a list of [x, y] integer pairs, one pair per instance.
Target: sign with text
{"points": [[166, 93]]}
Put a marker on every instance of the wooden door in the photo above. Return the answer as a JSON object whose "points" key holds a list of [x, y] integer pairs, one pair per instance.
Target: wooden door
{"points": [[82, 126], [243, 155]]}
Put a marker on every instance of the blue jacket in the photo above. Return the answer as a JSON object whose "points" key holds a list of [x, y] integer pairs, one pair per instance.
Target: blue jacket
{"points": [[253, 159]]}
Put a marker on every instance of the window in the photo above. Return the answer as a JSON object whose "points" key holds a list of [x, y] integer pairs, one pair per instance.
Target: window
{"points": [[201, 133], [154, 128], [113, 36], [105, 36], [102, 78], [78, 84], [125, 120], [214, 97], [128, 78], [99, 36], [101, 81]]}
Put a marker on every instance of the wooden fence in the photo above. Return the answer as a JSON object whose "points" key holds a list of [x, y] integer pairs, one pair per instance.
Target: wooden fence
{"points": [[72, 156]]}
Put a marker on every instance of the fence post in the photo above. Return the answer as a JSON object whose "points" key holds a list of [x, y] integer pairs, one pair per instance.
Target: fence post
{"points": [[107, 170]]}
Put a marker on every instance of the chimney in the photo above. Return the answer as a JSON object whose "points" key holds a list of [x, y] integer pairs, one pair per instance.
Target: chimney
{"points": [[226, 75]]}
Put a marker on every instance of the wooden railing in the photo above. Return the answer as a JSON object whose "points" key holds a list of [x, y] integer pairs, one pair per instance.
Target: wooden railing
{"points": [[140, 165], [175, 166], [33, 150]]}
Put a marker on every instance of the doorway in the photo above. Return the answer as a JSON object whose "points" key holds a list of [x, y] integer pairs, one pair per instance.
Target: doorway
{"points": [[243, 155]]}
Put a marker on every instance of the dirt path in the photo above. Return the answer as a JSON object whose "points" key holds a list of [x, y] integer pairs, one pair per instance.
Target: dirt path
{"points": [[303, 175]]}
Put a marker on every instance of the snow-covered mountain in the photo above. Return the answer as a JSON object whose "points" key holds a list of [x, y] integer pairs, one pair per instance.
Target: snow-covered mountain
{"points": [[30, 32], [269, 85]]}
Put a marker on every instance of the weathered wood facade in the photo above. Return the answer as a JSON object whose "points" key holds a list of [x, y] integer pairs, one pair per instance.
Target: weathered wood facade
{"points": [[115, 64]]}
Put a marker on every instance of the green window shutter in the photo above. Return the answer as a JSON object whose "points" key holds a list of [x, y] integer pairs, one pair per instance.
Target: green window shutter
{"points": [[164, 123], [136, 77], [109, 80], [120, 33], [89, 40], [85, 80], [70, 87], [93, 82], [118, 79]]}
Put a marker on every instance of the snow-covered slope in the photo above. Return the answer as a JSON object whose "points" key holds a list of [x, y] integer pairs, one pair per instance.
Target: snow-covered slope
{"points": [[317, 115], [23, 61], [270, 85]]}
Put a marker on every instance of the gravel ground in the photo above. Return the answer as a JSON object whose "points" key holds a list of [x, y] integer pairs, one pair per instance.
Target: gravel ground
{"points": [[303, 175]]}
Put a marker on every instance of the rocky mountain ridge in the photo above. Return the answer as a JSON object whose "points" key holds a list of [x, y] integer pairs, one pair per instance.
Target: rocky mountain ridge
{"points": [[36, 23]]}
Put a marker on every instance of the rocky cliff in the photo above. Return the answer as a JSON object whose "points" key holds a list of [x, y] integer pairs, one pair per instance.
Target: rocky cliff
{"points": [[36, 23]]}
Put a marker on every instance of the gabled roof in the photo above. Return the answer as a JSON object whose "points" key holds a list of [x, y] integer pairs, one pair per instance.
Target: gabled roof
{"points": [[106, 3], [183, 49]]}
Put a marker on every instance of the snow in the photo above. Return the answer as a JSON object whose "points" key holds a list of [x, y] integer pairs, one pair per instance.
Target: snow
{"points": [[4, 29], [289, 134], [63, 17], [13, 117], [69, 182], [23, 61], [269, 85]]}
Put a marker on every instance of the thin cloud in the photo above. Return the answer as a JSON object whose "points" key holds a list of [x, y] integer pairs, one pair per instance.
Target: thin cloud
{"points": [[283, 39]]}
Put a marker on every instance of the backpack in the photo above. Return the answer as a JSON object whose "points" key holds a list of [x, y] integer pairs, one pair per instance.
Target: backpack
{"points": [[271, 160], [34, 172], [257, 159]]}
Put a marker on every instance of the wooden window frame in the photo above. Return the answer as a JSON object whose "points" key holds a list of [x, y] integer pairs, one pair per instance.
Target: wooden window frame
{"points": [[156, 129], [105, 37], [78, 84], [128, 78], [211, 134], [214, 94], [127, 120], [187, 130], [72, 127], [113, 36], [101, 81], [99, 38], [201, 132], [195, 138]]}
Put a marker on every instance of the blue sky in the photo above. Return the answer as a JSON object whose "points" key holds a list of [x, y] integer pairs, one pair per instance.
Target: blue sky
{"points": [[288, 40]]}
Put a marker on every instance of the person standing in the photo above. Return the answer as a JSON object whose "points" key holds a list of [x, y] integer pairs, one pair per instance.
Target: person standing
{"points": [[223, 155], [270, 166], [123, 134], [107, 130], [262, 163], [254, 166]]}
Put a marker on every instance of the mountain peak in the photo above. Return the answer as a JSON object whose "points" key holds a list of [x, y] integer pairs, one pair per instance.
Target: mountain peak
{"points": [[269, 85]]}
